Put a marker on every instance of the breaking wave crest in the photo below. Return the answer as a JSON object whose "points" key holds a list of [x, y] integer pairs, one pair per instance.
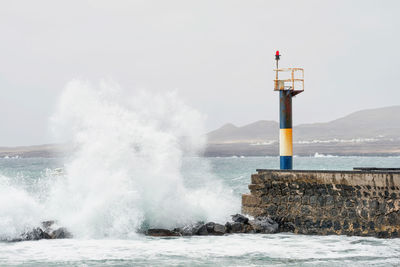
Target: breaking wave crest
{"points": [[125, 172]]}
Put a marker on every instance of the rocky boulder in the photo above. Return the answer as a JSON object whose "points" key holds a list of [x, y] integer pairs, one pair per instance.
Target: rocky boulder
{"points": [[190, 229], [239, 224], [212, 228], [162, 232], [264, 225], [45, 231], [239, 218]]}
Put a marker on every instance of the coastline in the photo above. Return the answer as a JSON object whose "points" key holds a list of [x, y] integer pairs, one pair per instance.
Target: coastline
{"points": [[369, 149]]}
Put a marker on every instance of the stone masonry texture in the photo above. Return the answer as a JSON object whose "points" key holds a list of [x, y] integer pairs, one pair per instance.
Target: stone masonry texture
{"points": [[327, 202]]}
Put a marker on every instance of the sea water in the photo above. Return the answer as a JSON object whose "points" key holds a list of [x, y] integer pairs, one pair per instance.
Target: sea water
{"points": [[132, 165], [26, 178]]}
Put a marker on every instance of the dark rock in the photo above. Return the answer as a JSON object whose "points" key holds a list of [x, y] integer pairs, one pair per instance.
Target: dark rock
{"points": [[190, 229], [395, 234], [34, 234], [240, 218], [271, 210], [297, 198], [305, 210], [47, 224], [336, 225], [374, 204], [371, 225], [322, 191], [238, 227], [305, 200], [60, 233], [219, 229], [298, 221], [313, 200], [394, 218], [321, 201], [202, 230], [285, 191], [326, 224], [334, 212], [383, 234], [161, 232], [214, 229], [349, 203], [228, 226], [346, 225], [382, 207], [287, 227], [210, 226], [308, 223], [364, 214], [276, 200], [329, 200], [44, 232], [264, 225]]}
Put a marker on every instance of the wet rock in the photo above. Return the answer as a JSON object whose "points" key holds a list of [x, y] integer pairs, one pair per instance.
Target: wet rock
{"points": [[219, 229], [161, 232], [287, 226], [238, 227], [202, 230], [212, 228], [46, 231], [264, 225], [239, 218], [47, 224], [34, 234], [228, 227], [190, 229], [60, 233]]}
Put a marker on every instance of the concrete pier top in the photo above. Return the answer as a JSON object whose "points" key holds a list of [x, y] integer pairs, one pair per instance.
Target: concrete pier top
{"points": [[381, 178]]}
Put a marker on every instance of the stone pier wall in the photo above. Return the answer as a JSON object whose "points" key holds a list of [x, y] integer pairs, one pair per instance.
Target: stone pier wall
{"points": [[327, 202]]}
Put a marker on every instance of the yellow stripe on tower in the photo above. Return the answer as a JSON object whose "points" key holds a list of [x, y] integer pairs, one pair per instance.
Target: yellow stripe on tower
{"points": [[285, 142]]}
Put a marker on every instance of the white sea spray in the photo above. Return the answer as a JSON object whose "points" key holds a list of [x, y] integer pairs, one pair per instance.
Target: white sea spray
{"points": [[19, 211], [126, 170]]}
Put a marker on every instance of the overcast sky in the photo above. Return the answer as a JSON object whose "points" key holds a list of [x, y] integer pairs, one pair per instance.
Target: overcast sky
{"points": [[218, 54]]}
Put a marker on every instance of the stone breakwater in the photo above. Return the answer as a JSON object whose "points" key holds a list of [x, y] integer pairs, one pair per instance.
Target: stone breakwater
{"points": [[239, 224], [327, 202], [47, 230]]}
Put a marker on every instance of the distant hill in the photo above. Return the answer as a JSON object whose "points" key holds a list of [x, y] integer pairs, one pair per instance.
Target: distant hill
{"points": [[368, 132], [372, 123], [365, 132], [257, 131]]}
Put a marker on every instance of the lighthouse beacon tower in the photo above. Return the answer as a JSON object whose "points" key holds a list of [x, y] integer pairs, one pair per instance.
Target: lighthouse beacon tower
{"points": [[289, 82]]}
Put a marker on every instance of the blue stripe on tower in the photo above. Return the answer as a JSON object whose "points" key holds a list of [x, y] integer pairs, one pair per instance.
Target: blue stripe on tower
{"points": [[285, 136], [286, 162]]}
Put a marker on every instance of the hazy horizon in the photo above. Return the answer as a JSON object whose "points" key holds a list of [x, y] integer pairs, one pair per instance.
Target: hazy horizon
{"points": [[217, 55]]}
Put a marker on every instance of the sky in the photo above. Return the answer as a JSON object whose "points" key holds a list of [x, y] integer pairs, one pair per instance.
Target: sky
{"points": [[217, 54]]}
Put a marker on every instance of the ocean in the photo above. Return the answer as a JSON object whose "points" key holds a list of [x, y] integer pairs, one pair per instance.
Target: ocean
{"points": [[104, 203]]}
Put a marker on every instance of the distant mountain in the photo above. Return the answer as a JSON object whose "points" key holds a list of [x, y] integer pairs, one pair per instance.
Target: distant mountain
{"points": [[372, 123], [381, 123], [366, 132], [372, 132], [257, 131]]}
